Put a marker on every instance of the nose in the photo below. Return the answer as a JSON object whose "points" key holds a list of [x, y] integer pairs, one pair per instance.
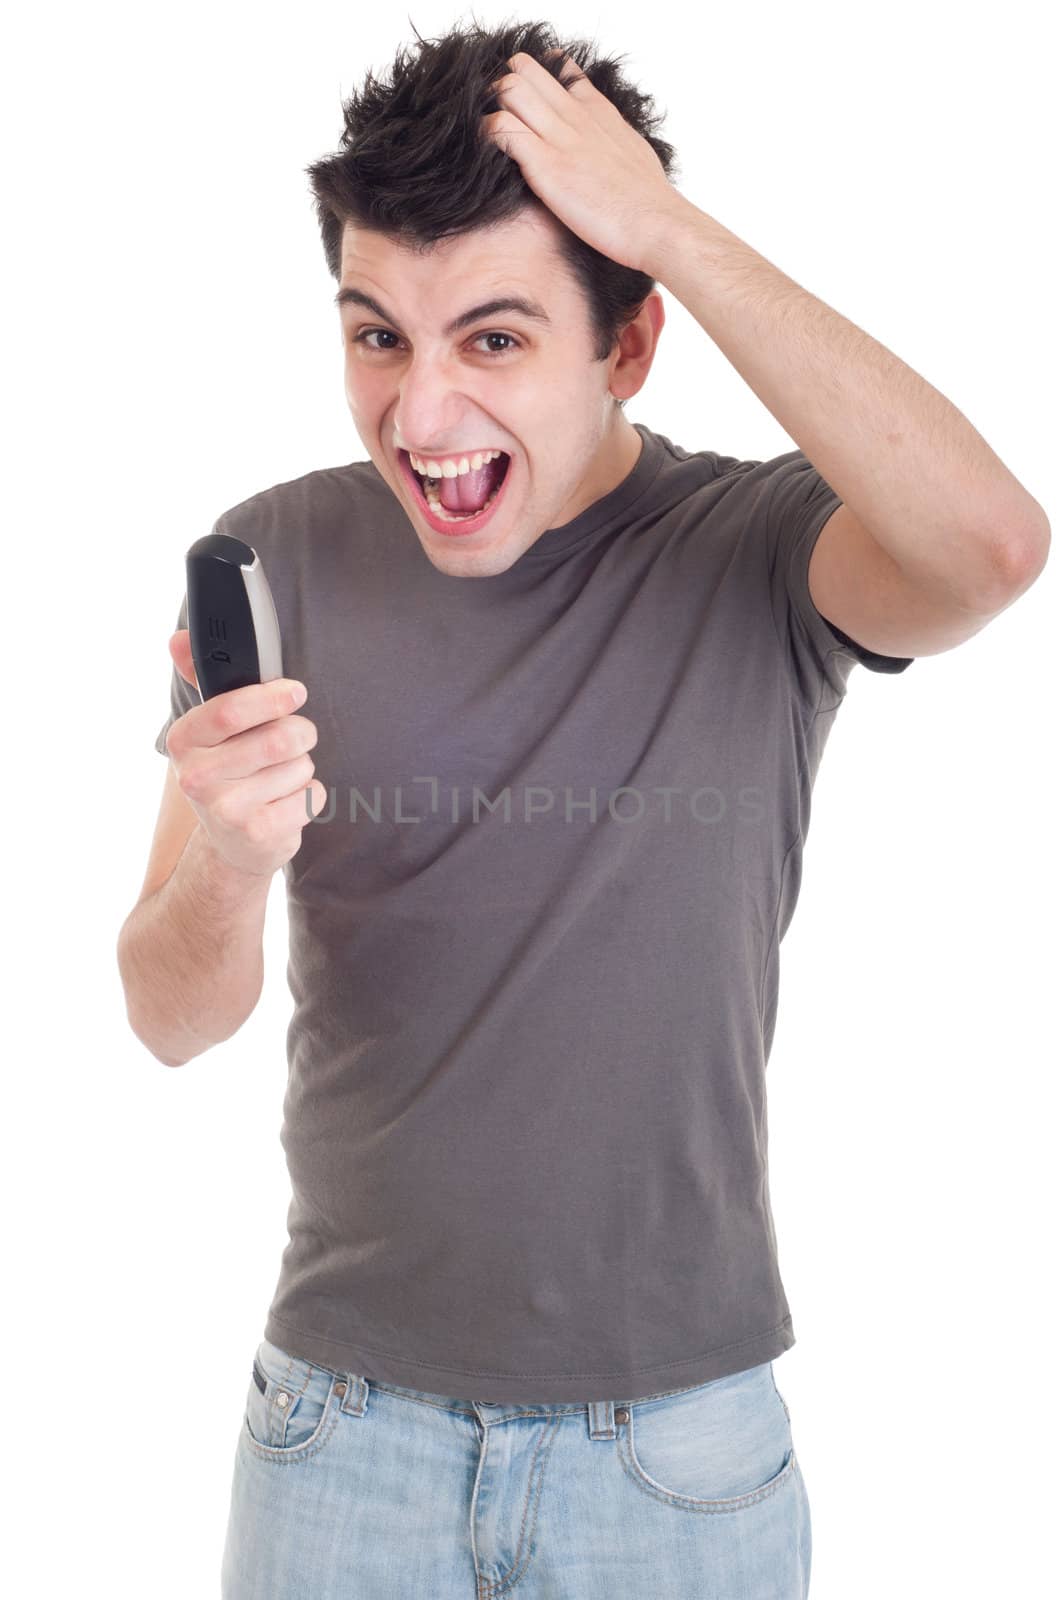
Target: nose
{"points": [[430, 405]]}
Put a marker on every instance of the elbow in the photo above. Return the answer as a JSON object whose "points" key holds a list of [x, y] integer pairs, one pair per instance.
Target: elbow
{"points": [[1013, 563], [141, 1034], [166, 1060], [138, 1032]]}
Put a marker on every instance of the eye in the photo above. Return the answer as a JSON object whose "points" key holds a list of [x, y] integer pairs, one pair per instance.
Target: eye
{"points": [[367, 333]]}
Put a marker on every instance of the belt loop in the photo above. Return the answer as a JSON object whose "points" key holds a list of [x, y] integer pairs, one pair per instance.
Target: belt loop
{"points": [[601, 1420], [356, 1394]]}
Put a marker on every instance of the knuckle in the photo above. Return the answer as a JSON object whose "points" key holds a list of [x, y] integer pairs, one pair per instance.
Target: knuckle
{"points": [[225, 809], [227, 716], [276, 743], [256, 828], [191, 778]]}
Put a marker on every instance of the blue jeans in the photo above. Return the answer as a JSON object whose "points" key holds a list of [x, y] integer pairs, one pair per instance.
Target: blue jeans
{"points": [[349, 1489]]}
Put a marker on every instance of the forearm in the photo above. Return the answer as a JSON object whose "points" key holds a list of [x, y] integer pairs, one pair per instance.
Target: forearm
{"points": [[190, 955], [908, 464]]}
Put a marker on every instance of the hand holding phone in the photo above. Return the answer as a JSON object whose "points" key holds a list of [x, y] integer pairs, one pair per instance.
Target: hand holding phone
{"points": [[241, 757]]}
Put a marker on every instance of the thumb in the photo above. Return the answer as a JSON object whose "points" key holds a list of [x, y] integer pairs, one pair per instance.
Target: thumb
{"points": [[181, 655]]}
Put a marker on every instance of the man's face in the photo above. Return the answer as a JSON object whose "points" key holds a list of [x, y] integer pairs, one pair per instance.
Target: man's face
{"points": [[506, 381]]}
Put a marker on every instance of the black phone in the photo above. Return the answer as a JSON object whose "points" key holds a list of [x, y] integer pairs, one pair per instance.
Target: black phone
{"points": [[232, 620]]}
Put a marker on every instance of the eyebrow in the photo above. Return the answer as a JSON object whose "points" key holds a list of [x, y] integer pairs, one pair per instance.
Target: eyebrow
{"points": [[489, 308]]}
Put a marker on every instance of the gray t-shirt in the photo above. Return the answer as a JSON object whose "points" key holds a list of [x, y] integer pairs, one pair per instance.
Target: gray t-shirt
{"points": [[534, 934]]}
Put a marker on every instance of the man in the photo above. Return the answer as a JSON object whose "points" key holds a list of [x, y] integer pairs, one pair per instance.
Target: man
{"points": [[541, 860]]}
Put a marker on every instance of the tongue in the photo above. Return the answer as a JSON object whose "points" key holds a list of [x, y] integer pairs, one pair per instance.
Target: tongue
{"points": [[470, 491]]}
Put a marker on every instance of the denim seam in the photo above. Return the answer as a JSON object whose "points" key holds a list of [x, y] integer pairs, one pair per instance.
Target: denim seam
{"points": [[293, 1455], [536, 1474], [289, 1387], [629, 1462]]}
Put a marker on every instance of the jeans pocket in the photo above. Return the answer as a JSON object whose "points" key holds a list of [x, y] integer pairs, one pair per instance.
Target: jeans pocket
{"points": [[292, 1405], [725, 1444]]}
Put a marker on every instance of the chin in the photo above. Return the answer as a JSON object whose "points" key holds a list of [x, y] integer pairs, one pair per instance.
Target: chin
{"points": [[485, 563]]}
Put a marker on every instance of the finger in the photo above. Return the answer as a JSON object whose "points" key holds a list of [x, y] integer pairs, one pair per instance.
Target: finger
{"points": [[577, 75], [573, 82], [234, 713], [181, 655], [533, 105], [502, 127]]}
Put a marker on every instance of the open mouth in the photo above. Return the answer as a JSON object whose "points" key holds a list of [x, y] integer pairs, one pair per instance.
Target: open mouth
{"points": [[450, 522]]}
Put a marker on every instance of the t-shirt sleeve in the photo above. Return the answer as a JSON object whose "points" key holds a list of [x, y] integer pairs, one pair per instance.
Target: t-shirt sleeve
{"points": [[183, 696], [797, 502]]}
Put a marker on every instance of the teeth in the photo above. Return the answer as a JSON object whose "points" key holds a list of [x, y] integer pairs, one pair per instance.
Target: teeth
{"points": [[453, 469]]}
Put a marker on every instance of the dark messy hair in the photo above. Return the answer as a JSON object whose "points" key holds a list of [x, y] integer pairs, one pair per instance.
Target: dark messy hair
{"points": [[414, 165]]}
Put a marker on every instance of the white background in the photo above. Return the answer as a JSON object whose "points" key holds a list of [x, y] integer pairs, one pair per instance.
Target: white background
{"points": [[170, 348]]}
